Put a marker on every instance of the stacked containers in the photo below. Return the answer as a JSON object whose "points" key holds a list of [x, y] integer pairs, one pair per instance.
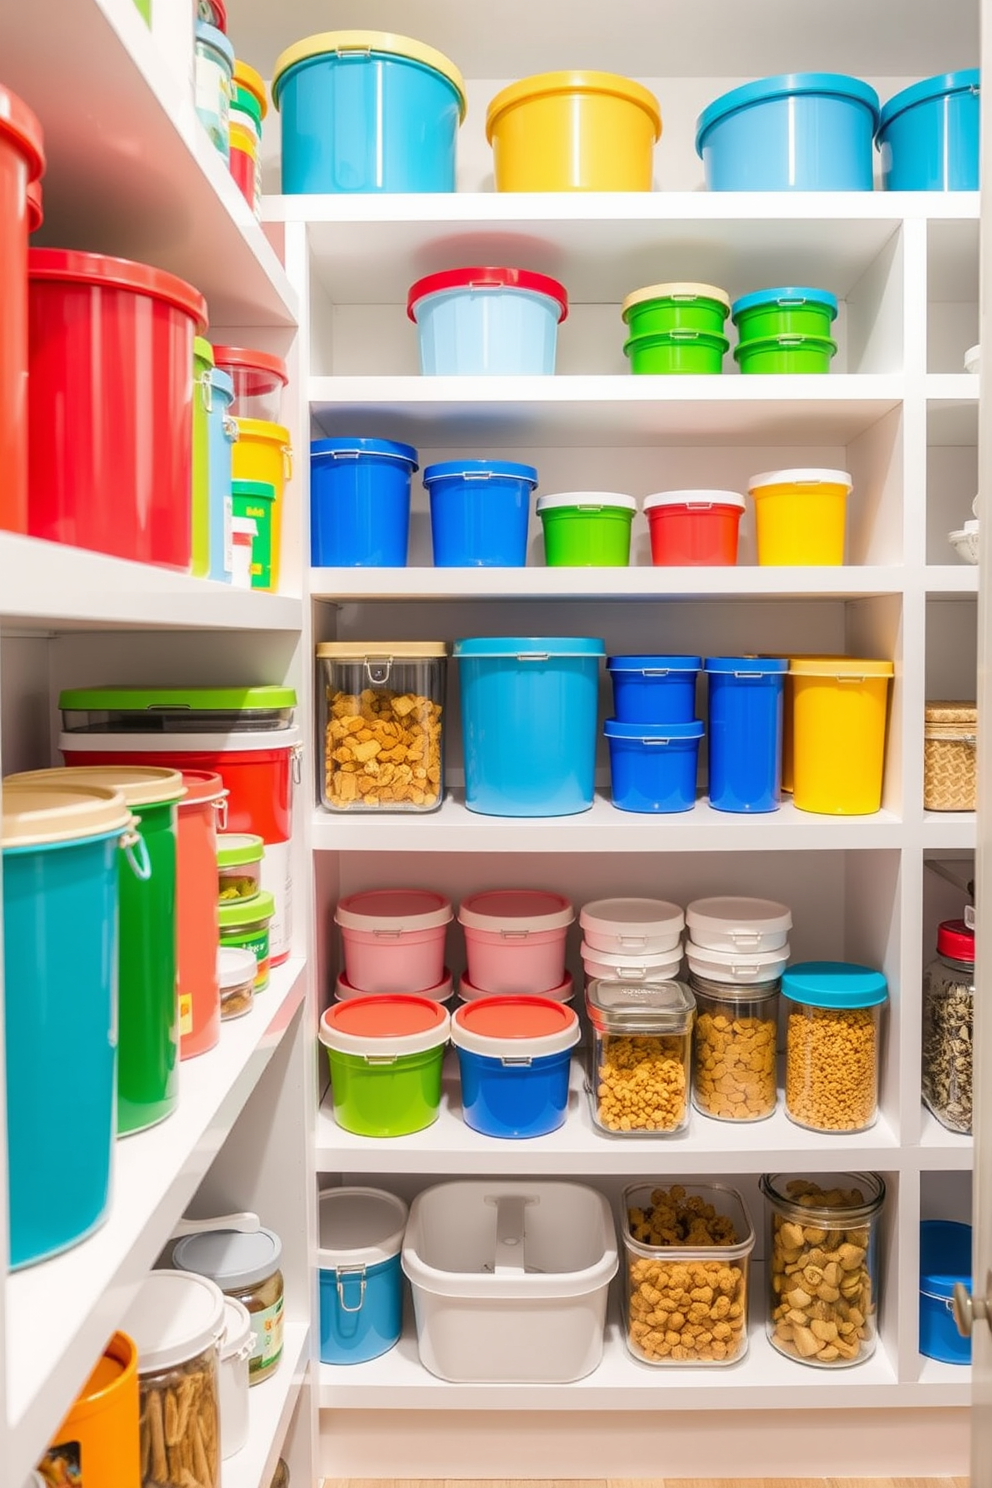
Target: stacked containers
{"points": [[586, 529], [928, 134], [832, 1045], [246, 925], [785, 330], [514, 1057], [515, 942], [479, 512], [840, 707], [676, 328], [385, 1055], [631, 940], [484, 322], [22, 163], [262, 455], [245, 134], [393, 940], [361, 1285], [641, 1034], [745, 732], [360, 502], [800, 515], [654, 737]]}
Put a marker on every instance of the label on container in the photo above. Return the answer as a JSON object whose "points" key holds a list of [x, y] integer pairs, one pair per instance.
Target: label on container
{"points": [[213, 98], [185, 1014], [266, 1327], [257, 941], [62, 1466]]}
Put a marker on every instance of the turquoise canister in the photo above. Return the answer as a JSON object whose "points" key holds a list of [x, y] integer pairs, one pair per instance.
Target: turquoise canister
{"points": [[361, 1284]]}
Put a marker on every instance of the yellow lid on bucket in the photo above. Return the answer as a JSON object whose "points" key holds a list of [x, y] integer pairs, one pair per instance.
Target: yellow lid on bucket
{"points": [[246, 77], [36, 814], [841, 667], [543, 84], [140, 785], [336, 42], [677, 291], [249, 428]]}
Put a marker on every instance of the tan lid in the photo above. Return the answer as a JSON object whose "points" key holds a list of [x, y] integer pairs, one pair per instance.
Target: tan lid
{"points": [[945, 712], [678, 291], [36, 813], [362, 650], [140, 785]]}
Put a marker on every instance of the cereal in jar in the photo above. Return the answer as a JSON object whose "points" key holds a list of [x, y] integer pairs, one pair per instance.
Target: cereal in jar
{"points": [[832, 1044], [640, 1051], [734, 1049]]}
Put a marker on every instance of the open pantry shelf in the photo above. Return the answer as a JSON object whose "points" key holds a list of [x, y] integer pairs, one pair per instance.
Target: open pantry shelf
{"points": [[271, 1406]]}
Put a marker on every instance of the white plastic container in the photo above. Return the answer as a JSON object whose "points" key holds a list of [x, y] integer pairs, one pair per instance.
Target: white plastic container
{"points": [[343, 990], [562, 993], [232, 1376], [244, 530], [625, 966], [642, 927], [732, 924], [394, 939], [515, 940], [737, 967], [510, 1280]]}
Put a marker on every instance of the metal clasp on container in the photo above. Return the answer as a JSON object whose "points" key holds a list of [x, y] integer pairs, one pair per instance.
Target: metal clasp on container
{"points": [[378, 669], [351, 1273], [220, 811], [136, 851], [297, 758]]}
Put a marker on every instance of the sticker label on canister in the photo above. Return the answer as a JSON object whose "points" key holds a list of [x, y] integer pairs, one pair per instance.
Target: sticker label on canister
{"points": [[266, 1327], [62, 1466]]}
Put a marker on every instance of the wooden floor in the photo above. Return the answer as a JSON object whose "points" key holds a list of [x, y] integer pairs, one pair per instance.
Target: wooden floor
{"points": [[648, 1483]]}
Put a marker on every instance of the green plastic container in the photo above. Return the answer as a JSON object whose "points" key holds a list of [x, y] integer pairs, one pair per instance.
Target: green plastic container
{"points": [[786, 354], [586, 529], [144, 8], [256, 499], [672, 307], [790, 311], [385, 1055], [682, 351], [245, 924], [203, 361]]}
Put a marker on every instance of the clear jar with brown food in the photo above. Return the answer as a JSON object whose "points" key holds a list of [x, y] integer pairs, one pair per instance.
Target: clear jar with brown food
{"points": [[948, 1012], [281, 1479], [237, 968], [641, 1046], [244, 1266], [734, 1042], [833, 1035]]}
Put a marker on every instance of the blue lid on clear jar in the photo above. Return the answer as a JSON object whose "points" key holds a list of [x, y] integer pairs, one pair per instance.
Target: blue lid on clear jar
{"points": [[834, 984]]}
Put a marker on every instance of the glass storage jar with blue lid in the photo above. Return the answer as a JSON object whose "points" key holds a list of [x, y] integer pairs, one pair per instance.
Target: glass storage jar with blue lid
{"points": [[832, 1044]]}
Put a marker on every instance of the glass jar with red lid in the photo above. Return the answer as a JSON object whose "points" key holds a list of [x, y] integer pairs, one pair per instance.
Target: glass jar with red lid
{"points": [[948, 1009]]}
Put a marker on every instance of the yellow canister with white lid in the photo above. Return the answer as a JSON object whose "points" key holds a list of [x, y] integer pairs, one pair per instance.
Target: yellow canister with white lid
{"points": [[839, 711], [800, 516]]}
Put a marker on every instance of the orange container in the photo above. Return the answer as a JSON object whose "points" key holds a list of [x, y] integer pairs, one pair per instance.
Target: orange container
{"points": [[98, 1442], [201, 811], [21, 162]]}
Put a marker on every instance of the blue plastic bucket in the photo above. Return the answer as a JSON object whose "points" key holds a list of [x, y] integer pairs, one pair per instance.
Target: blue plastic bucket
{"points": [[945, 1258], [654, 689], [514, 1056], [487, 322], [928, 134], [653, 766], [367, 111], [60, 916], [480, 510], [800, 131], [359, 1276], [222, 431], [529, 707], [745, 732], [360, 502]]}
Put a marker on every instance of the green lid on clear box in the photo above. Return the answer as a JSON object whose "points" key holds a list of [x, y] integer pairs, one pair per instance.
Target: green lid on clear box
{"points": [[235, 849], [834, 984], [155, 699]]}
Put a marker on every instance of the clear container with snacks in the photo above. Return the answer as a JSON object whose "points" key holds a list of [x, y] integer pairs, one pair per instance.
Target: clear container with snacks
{"points": [[948, 1027], [833, 1033], [176, 710], [641, 1034], [734, 1041], [239, 866], [246, 1267], [821, 1251], [685, 1294], [237, 968], [381, 717]]}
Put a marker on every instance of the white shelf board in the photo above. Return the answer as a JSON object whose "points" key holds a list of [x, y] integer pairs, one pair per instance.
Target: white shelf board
{"points": [[935, 1374], [131, 170], [602, 829], [949, 829], [271, 1405], [951, 578], [944, 1150], [607, 410], [60, 1313], [49, 586], [604, 583], [952, 409]]}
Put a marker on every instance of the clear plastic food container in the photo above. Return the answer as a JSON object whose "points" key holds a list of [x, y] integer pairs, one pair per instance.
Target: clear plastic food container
{"points": [[380, 712], [176, 710], [259, 380], [832, 1044], [641, 1035], [237, 968], [239, 866], [734, 1049], [822, 1265], [688, 1250], [246, 1267]]}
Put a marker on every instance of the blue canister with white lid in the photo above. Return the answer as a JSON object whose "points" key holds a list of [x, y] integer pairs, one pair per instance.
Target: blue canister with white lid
{"points": [[789, 310], [213, 72], [361, 1285], [360, 502], [514, 1057], [745, 732], [653, 765], [928, 134], [480, 510], [654, 689], [945, 1260], [833, 1036], [798, 131]]}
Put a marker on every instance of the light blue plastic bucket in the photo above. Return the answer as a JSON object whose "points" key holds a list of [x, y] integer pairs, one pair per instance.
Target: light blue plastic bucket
{"points": [[361, 1284], [800, 131], [366, 111], [487, 322], [222, 431], [480, 511], [928, 134], [529, 706]]}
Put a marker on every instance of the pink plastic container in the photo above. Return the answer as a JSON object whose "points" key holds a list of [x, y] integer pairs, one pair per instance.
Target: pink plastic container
{"points": [[565, 993], [343, 990], [394, 939], [515, 940]]}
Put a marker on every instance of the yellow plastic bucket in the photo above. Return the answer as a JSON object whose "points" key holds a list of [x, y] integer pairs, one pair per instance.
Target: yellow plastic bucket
{"points": [[574, 131], [262, 452], [801, 516], [788, 707], [839, 715]]}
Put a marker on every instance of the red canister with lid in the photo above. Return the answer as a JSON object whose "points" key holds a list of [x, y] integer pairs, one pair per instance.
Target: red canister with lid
{"points": [[22, 162]]}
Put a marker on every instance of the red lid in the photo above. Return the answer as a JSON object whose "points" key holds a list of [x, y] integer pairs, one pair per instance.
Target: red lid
{"points": [[18, 122], [36, 214], [515, 1017], [270, 371], [70, 266], [956, 941], [488, 278], [220, 15], [201, 786], [382, 1016]]}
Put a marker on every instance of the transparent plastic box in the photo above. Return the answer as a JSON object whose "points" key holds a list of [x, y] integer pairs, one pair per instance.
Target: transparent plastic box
{"points": [[641, 1035]]}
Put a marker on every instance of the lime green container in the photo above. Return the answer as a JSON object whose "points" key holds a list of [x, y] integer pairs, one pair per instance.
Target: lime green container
{"points": [[144, 8], [683, 350], [245, 925], [586, 529], [256, 499], [793, 310], [385, 1055], [203, 362], [786, 354], [674, 307]]}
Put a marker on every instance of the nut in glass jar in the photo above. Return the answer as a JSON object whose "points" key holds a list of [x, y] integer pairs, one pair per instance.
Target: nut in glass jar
{"points": [[948, 1011], [641, 1041]]}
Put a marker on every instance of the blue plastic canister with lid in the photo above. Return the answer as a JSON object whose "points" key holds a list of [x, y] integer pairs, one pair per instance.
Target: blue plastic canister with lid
{"points": [[928, 134], [480, 511], [945, 1258], [654, 689], [360, 502], [361, 1285], [514, 1056], [745, 732], [653, 765]]}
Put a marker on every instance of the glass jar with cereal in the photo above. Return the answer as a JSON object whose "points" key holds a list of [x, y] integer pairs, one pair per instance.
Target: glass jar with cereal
{"points": [[641, 1038], [734, 1049], [832, 1044]]}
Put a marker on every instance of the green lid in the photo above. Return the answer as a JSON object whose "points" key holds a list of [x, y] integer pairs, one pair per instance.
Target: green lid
{"points": [[237, 848], [246, 103], [236, 914], [254, 490], [192, 699], [202, 350]]}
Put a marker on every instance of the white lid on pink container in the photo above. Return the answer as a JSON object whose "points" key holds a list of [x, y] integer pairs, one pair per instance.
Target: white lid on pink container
{"points": [[701, 499], [393, 911], [729, 923], [515, 912]]}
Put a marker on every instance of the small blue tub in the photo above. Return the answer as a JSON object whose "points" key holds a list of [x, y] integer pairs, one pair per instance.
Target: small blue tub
{"points": [[487, 322], [529, 707], [221, 434], [480, 510], [945, 1258], [360, 502], [928, 134], [514, 1057], [654, 689], [367, 111], [745, 732], [361, 1284], [653, 766], [800, 131]]}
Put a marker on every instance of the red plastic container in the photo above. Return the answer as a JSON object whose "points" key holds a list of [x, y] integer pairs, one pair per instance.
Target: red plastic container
{"points": [[36, 211], [110, 416], [242, 167], [694, 528], [22, 162], [201, 811]]}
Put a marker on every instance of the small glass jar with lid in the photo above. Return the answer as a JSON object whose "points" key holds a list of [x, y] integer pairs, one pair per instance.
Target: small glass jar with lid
{"points": [[821, 1244], [246, 1267], [832, 1044], [641, 1037], [734, 1048], [948, 1010]]}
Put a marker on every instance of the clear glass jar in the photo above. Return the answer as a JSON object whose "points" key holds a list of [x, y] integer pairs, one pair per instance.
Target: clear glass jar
{"points": [[246, 1267], [948, 1010], [734, 1049], [381, 707], [822, 1265], [236, 971], [180, 1422], [832, 1045], [239, 866], [641, 1045]]}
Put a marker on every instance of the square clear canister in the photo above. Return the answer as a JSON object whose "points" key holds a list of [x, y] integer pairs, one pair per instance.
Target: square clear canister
{"points": [[641, 1035]]}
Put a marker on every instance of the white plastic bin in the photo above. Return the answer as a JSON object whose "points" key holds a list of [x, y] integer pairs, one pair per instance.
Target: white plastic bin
{"points": [[510, 1280]]}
